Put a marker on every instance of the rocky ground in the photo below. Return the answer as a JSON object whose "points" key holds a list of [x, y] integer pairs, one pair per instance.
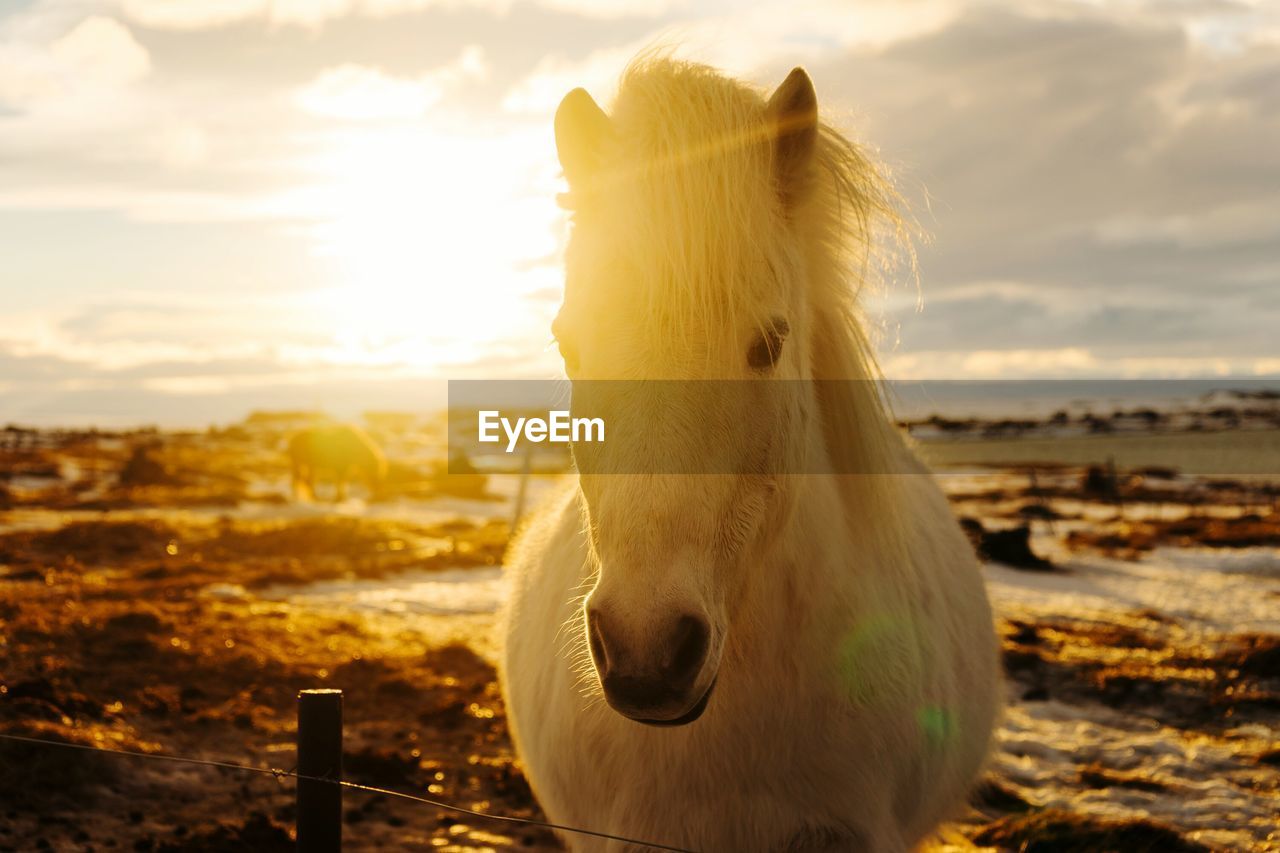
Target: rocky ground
{"points": [[169, 600]]}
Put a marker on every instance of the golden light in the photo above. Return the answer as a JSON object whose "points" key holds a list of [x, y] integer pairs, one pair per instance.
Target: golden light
{"points": [[439, 239]]}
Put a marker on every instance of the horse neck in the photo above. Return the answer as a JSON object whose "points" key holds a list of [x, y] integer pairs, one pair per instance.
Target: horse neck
{"points": [[823, 555], [811, 564]]}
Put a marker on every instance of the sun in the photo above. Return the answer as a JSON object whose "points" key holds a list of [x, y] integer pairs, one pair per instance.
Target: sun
{"points": [[444, 244]]}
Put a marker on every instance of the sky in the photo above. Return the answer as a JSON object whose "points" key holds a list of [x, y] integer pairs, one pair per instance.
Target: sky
{"points": [[211, 206]]}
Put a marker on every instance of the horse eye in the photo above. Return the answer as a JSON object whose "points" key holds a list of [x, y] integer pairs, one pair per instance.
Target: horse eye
{"points": [[766, 349]]}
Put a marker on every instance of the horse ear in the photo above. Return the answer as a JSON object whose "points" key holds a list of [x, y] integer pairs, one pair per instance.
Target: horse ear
{"points": [[793, 116], [581, 127]]}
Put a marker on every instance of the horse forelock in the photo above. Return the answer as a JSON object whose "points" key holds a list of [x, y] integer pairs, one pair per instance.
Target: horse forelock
{"points": [[689, 207]]}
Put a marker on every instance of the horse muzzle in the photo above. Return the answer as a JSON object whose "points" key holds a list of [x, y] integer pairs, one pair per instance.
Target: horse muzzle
{"points": [[663, 684], [683, 720]]}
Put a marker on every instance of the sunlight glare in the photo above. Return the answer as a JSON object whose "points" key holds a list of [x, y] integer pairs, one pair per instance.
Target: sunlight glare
{"points": [[443, 242]]}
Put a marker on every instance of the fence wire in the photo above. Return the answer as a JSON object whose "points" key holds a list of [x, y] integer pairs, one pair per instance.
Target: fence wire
{"points": [[355, 786]]}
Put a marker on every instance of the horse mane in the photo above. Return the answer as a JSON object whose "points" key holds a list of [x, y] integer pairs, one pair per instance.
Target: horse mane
{"points": [[854, 235], [693, 145], [690, 146]]}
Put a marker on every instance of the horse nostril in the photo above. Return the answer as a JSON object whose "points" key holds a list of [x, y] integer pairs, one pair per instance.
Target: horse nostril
{"points": [[598, 651], [688, 647]]}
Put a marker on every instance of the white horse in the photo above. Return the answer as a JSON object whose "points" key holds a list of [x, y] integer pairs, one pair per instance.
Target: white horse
{"points": [[736, 662]]}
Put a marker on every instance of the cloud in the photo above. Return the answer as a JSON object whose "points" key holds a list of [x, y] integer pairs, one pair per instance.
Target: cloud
{"points": [[1067, 363], [541, 90], [1220, 227], [1117, 174], [359, 93], [212, 14], [741, 40], [192, 14], [311, 14], [1101, 176], [52, 390], [183, 145], [615, 8], [97, 55], [104, 49]]}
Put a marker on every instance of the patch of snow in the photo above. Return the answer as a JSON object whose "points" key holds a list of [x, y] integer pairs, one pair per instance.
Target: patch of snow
{"points": [[1212, 789], [1264, 562], [225, 591], [31, 482], [1202, 588], [442, 593]]}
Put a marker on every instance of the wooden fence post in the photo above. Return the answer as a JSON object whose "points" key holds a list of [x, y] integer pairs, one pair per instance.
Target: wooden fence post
{"points": [[319, 754]]}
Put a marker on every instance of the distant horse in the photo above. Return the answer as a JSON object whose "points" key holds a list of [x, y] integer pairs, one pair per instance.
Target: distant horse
{"points": [[755, 661], [342, 453]]}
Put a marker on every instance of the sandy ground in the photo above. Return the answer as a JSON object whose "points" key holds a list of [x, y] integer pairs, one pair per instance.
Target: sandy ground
{"points": [[181, 617]]}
